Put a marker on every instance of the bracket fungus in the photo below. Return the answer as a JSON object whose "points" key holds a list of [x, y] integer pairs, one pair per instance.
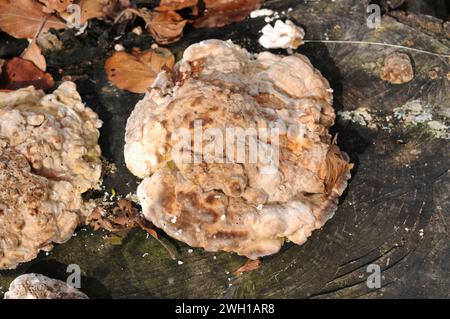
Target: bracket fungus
{"points": [[250, 205], [35, 286], [49, 156]]}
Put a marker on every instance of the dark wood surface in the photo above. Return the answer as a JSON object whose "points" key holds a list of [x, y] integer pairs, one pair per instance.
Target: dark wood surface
{"points": [[400, 184]]}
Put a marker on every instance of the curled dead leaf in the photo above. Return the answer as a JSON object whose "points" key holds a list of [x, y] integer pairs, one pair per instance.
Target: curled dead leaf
{"points": [[101, 9], [136, 72], [19, 73], [33, 53], [335, 168], [173, 5], [249, 265], [51, 6], [166, 26], [219, 13], [23, 18]]}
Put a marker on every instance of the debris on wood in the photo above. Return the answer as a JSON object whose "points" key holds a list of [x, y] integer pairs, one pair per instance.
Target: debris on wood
{"points": [[397, 69], [136, 72], [121, 217], [49, 42], [249, 265]]}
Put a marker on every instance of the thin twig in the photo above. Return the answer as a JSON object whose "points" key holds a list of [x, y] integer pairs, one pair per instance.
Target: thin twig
{"points": [[379, 44]]}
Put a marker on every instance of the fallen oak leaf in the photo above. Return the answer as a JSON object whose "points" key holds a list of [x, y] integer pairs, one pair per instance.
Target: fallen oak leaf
{"points": [[136, 72], [249, 265], [22, 18], [219, 13], [19, 73]]}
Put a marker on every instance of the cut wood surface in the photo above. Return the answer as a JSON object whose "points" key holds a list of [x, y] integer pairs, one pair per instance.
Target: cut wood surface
{"points": [[395, 213]]}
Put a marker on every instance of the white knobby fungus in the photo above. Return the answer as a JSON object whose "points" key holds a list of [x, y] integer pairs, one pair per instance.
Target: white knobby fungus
{"points": [[230, 88], [49, 156], [283, 35]]}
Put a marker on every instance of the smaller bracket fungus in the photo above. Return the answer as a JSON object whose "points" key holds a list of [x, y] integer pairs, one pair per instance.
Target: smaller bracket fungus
{"points": [[49, 156], [35, 286], [290, 176], [397, 69]]}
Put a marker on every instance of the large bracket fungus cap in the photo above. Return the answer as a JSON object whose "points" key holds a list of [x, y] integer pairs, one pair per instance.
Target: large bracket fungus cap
{"points": [[236, 205]]}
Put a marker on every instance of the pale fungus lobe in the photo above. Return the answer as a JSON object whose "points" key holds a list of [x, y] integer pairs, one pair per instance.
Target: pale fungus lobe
{"points": [[49, 157], [283, 35], [397, 69], [35, 286], [291, 174]]}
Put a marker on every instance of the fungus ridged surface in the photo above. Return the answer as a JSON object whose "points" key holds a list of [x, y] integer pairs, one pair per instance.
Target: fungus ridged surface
{"points": [[216, 201], [49, 157]]}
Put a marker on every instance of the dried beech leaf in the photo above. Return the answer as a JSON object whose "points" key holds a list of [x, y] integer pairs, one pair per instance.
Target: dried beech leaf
{"points": [[250, 265], [22, 18], [101, 9], [166, 26], [219, 13], [19, 73], [136, 72], [55, 5], [91, 9], [33, 53], [173, 5], [336, 168]]}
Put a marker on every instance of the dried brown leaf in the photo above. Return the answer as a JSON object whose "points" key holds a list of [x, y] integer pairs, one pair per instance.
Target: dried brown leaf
{"points": [[19, 73], [33, 53], [166, 26], [173, 5], [51, 6], [22, 18], [249, 265], [101, 9], [219, 13], [136, 72], [336, 167]]}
